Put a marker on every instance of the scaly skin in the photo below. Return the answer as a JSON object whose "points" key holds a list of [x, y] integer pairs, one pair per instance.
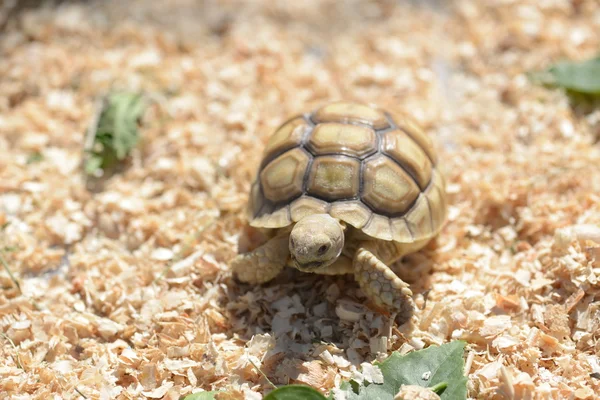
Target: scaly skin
{"points": [[264, 263], [381, 285]]}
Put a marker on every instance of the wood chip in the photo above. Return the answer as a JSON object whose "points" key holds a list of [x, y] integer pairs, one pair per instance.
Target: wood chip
{"points": [[126, 292]]}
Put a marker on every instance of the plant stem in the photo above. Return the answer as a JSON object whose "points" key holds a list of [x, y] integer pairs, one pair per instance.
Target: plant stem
{"points": [[12, 277], [17, 358], [81, 394], [439, 388], [262, 373]]}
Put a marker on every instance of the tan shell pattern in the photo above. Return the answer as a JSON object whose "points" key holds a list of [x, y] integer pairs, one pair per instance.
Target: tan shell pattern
{"points": [[375, 171]]}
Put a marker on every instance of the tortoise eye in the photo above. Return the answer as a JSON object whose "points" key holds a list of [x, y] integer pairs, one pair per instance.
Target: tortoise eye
{"points": [[322, 250]]}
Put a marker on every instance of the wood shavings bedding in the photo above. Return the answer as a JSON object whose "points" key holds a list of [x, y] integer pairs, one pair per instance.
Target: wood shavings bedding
{"points": [[100, 313]]}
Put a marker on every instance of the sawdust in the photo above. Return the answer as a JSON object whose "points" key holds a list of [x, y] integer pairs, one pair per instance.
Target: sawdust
{"points": [[126, 292]]}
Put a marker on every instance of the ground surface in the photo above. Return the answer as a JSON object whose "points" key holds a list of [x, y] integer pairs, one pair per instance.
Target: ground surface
{"points": [[126, 292]]}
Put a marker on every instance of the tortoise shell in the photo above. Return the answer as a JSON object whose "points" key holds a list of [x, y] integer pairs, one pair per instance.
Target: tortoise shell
{"points": [[375, 171]]}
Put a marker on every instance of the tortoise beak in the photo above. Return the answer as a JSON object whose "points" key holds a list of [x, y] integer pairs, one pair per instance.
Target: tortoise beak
{"points": [[310, 267]]}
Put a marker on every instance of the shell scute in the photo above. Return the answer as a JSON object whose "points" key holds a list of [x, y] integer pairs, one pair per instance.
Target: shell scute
{"points": [[436, 195], [305, 206], [388, 189], [419, 218], [404, 149], [286, 137], [282, 179], [351, 113], [400, 231], [410, 126], [379, 227], [335, 138], [334, 177], [353, 212]]}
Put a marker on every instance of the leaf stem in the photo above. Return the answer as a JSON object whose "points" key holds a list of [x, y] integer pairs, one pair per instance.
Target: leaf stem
{"points": [[9, 272], [17, 358], [439, 388], [81, 394], [262, 373]]}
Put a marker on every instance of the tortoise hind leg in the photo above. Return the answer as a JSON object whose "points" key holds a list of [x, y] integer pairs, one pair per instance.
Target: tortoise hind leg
{"points": [[382, 286], [263, 263]]}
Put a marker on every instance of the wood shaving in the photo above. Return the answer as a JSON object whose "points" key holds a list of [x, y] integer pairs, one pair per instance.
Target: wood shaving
{"points": [[126, 292]]}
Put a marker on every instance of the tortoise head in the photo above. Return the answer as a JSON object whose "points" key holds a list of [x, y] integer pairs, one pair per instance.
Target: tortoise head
{"points": [[316, 241]]}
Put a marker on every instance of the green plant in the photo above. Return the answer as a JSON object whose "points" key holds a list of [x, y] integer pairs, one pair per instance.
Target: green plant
{"points": [[581, 77], [111, 139], [295, 392], [434, 367], [439, 368], [201, 396]]}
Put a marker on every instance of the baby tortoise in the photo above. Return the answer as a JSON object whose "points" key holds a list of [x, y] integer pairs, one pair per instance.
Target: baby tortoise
{"points": [[348, 188]]}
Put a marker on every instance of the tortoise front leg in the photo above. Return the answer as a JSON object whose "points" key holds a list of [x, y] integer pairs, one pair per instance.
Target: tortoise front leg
{"points": [[263, 263], [381, 285]]}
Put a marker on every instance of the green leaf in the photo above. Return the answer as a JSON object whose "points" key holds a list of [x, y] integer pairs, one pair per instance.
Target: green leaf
{"points": [[92, 164], [201, 396], [581, 77], [127, 110], [34, 157], [431, 367], [295, 392], [115, 134]]}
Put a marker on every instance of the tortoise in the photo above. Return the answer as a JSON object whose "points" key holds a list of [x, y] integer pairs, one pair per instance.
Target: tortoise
{"points": [[348, 188]]}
